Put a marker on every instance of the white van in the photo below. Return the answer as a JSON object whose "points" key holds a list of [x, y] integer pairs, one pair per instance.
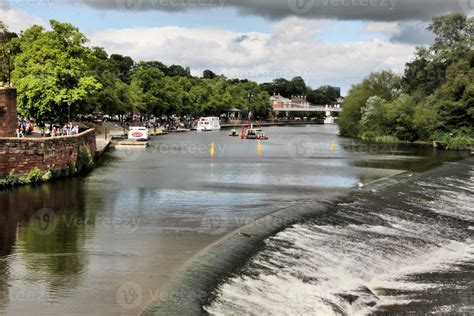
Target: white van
{"points": [[138, 133]]}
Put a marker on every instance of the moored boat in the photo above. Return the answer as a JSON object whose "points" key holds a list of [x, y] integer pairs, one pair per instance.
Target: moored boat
{"points": [[206, 124], [233, 133], [255, 133], [138, 133]]}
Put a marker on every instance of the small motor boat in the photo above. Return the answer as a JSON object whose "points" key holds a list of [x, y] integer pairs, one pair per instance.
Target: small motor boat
{"points": [[256, 133], [234, 133]]}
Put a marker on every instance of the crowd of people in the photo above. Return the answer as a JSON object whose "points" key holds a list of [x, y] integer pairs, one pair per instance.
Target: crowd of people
{"points": [[66, 130], [25, 128]]}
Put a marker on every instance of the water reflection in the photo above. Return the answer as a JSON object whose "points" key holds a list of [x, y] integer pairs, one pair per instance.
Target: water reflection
{"points": [[143, 214], [38, 237]]}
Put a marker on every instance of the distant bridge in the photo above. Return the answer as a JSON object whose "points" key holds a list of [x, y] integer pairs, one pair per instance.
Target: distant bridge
{"points": [[310, 109]]}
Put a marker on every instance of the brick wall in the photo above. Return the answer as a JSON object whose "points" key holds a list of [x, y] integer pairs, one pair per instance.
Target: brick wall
{"points": [[8, 114], [24, 154]]}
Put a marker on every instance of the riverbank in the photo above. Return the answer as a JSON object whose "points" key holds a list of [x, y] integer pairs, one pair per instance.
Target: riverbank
{"points": [[41, 159], [195, 286]]}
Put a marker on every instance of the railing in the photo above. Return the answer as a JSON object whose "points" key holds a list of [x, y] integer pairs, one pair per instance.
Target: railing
{"points": [[309, 109]]}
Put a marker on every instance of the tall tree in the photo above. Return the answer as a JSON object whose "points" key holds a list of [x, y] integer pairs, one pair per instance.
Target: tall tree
{"points": [[297, 87], [208, 74], [121, 66], [51, 70], [454, 38], [7, 50], [384, 84]]}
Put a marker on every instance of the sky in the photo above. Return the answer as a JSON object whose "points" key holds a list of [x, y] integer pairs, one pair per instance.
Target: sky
{"points": [[327, 42]]}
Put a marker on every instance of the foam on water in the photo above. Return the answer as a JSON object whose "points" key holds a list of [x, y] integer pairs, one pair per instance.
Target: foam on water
{"points": [[362, 256]]}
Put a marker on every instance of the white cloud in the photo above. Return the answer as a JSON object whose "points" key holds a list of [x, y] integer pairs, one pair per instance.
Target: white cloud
{"points": [[289, 50], [18, 20]]}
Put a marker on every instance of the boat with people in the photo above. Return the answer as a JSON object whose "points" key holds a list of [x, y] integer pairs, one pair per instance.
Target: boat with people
{"points": [[255, 133], [207, 124], [234, 133]]}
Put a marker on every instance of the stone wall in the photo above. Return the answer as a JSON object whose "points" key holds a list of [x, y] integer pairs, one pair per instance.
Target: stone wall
{"points": [[8, 114], [50, 153]]}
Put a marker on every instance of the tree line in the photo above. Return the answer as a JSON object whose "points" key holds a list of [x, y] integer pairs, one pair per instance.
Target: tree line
{"points": [[432, 100], [56, 75]]}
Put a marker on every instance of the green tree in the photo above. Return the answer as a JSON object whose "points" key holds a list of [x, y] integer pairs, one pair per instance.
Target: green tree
{"points": [[208, 74], [398, 118], [50, 70], [7, 50], [121, 66], [280, 86], [323, 95], [454, 38], [384, 84], [425, 120], [296, 87]]}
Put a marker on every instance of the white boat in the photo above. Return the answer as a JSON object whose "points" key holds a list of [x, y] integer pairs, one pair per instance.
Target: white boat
{"points": [[329, 120], [138, 133], [206, 124]]}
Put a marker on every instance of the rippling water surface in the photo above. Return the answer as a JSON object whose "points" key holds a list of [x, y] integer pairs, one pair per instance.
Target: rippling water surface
{"points": [[406, 249], [81, 245]]}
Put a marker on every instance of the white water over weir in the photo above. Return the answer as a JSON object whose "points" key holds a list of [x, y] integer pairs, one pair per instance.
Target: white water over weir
{"points": [[407, 249]]}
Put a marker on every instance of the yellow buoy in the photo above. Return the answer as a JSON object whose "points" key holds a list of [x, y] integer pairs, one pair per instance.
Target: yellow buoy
{"points": [[259, 147], [213, 150], [332, 147]]}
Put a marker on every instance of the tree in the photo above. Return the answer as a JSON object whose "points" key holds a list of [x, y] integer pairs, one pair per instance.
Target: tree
{"points": [[280, 86], [158, 91], [425, 120], [372, 117], [456, 97], [178, 71], [208, 74], [50, 70], [454, 38], [398, 118], [384, 84], [323, 95], [7, 50], [121, 66], [115, 97], [296, 87]]}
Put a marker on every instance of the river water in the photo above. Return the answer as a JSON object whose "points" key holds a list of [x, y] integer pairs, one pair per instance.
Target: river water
{"points": [[109, 242]]}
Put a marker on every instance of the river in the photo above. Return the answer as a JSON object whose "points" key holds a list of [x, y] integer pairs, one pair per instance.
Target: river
{"points": [[111, 241]]}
